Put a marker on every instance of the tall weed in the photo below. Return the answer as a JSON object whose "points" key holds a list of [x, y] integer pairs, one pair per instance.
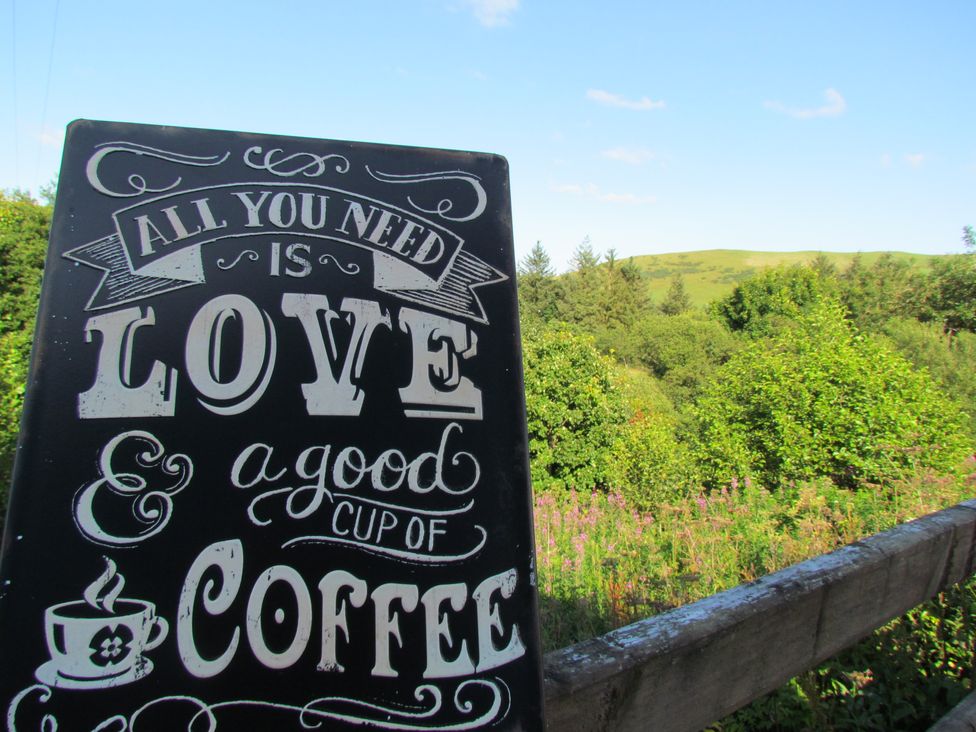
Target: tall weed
{"points": [[603, 563]]}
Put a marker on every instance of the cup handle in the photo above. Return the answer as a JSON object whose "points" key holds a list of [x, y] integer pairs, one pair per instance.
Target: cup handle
{"points": [[160, 629]]}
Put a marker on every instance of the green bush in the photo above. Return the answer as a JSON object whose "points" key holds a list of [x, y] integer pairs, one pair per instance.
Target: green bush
{"points": [[950, 359], [14, 356], [819, 399], [24, 226], [888, 288], [682, 351], [951, 295], [761, 303], [573, 407], [650, 465]]}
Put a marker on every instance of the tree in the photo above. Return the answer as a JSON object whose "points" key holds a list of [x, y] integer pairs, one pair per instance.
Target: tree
{"points": [[949, 360], [24, 227], [950, 298], [536, 263], [539, 290], [623, 296], [969, 239], [582, 294], [819, 399], [822, 265], [584, 258], [877, 293], [759, 304], [683, 351], [677, 300], [573, 408]]}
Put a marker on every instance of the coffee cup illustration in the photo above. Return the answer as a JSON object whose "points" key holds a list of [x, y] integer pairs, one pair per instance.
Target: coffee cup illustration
{"points": [[100, 641]]}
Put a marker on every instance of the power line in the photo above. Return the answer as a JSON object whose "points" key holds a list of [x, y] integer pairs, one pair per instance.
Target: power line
{"points": [[13, 81], [47, 89]]}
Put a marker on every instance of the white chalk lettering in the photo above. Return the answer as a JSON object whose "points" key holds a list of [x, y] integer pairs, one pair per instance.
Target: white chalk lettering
{"points": [[228, 558], [338, 341], [343, 614], [113, 393]]}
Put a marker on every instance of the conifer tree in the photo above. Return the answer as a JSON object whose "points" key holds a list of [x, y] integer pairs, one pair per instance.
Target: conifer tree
{"points": [[538, 289], [677, 300]]}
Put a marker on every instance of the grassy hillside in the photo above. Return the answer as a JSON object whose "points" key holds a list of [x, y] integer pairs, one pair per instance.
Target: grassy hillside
{"points": [[712, 273]]}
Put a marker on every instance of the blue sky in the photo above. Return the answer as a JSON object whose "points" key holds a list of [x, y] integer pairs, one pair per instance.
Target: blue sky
{"points": [[647, 127]]}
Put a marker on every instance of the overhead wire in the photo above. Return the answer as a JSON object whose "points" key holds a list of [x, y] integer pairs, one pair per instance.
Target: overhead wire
{"points": [[47, 90], [13, 82]]}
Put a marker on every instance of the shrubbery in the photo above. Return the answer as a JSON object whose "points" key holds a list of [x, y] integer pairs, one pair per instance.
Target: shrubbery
{"points": [[949, 358], [682, 351], [821, 400], [23, 243], [809, 409], [759, 303], [573, 408]]}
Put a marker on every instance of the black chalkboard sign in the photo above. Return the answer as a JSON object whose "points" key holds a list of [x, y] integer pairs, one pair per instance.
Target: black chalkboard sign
{"points": [[273, 465]]}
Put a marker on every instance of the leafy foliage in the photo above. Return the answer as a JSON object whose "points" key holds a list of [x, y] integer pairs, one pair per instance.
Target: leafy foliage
{"points": [[683, 351], [904, 676], [820, 399], [759, 304], [24, 229], [711, 275], [951, 298], [573, 408], [874, 294], [948, 358], [677, 301], [539, 291]]}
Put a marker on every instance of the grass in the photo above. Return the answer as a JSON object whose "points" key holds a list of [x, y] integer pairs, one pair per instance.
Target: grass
{"points": [[711, 274], [603, 564]]}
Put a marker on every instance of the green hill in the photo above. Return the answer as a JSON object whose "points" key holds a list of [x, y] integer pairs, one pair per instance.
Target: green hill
{"points": [[712, 273]]}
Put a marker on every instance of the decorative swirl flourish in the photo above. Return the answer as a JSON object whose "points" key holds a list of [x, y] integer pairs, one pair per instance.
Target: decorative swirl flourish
{"points": [[308, 164], [463, 716], [401, 554], [351, 269], [49, 723], [445, 205], [251, 255], [495, 698], [152, 508], [138, 183]]}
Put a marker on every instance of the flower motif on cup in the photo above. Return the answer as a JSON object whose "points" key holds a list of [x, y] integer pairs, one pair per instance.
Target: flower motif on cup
{"points": [[111, 645]]}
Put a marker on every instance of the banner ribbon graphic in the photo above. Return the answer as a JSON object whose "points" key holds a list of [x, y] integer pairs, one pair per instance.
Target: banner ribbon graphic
{"points": [[156, 245]]}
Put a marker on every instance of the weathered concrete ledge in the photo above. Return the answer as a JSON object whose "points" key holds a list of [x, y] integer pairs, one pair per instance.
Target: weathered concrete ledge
{"points": [[684, 669], [962, 718]]}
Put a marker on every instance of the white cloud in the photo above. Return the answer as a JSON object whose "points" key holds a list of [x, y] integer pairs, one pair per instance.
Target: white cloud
{"points": [[592, 191], [615, 100], [50, 138], [886, 160], [492, 13], [629, 155], [915, 159], [834, 107]]}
